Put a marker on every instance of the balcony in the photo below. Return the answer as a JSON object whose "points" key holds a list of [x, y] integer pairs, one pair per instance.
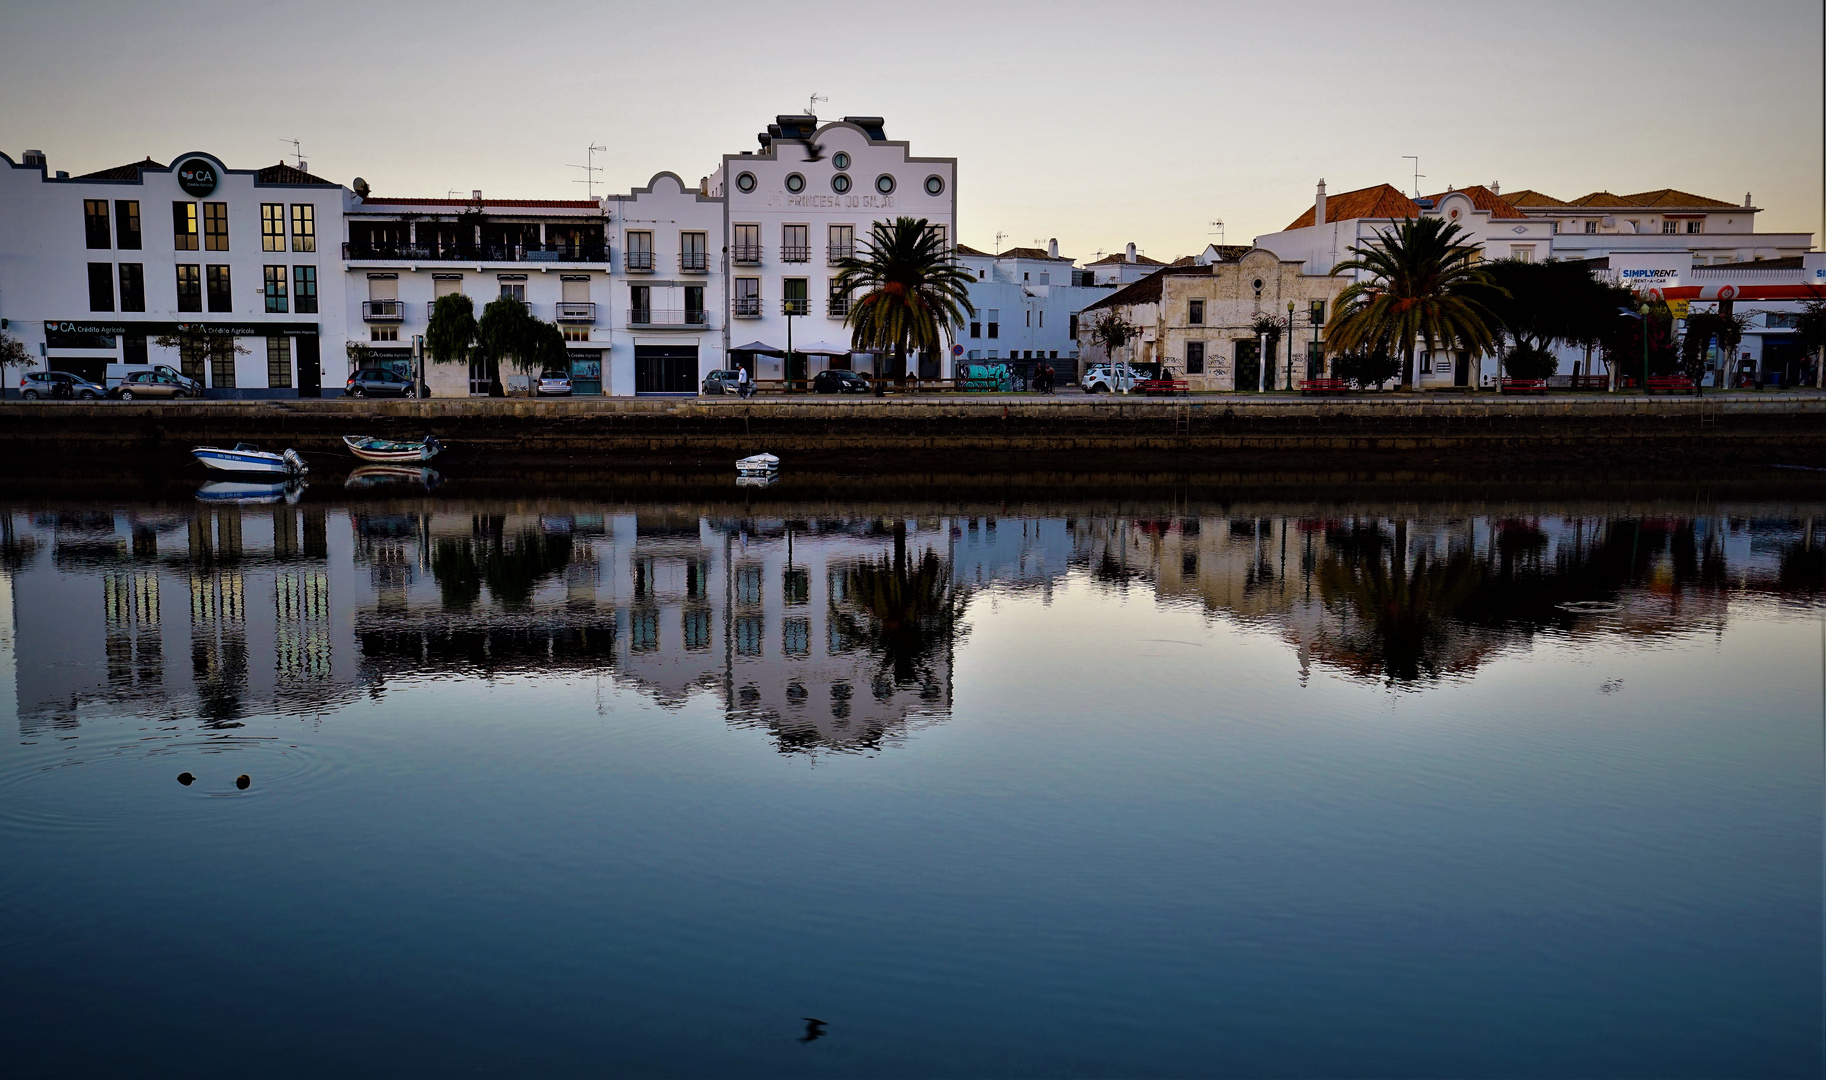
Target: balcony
{"points": [[382, 311], [669, 318], [575, 312], [795, 254], [637, 262], [836, 254], [475, 253], [792, 306], [745, 307], [694, 262], [840, 307], [745, 254]]}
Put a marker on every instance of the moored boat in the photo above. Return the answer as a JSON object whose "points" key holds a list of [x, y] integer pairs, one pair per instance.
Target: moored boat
{"points": [[758, 465], [369, 476], [251, 492], [249, 458], [369, 448]]}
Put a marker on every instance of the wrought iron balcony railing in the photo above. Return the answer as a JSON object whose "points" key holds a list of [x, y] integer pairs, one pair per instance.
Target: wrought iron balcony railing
{"points": [[836, 253], [745, 307], [840, 307], [569, 311], [791, 306], [795, 254], [745, 254], [682, 318], [637, 262], [382, 311], [360, 249], [694, 262]]}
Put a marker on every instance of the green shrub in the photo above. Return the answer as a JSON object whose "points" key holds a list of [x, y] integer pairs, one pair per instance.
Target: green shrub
{"points": [[1366, 369], [1530, 362]]}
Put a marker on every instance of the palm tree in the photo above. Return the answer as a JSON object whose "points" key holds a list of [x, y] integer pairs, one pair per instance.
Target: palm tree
{"points": [[914, 292], [1422, 277]]}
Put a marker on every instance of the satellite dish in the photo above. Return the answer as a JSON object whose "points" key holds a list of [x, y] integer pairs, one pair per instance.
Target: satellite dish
{"points": [[360, 186]]}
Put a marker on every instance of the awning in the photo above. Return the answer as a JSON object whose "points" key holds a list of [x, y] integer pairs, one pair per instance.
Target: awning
{"points": [[822, 348], [759, 347]]}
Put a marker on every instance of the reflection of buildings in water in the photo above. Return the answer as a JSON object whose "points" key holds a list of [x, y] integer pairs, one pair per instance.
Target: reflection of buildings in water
{"points": [[123, 600]]}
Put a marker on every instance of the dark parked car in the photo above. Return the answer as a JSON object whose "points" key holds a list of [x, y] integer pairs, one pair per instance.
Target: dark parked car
{"points": [[58, 384], [378, 382], [158, 383], [839, 382]]}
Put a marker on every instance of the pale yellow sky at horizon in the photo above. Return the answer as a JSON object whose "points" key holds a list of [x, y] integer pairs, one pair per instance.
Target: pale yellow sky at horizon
{"points": [[1098, 124]]}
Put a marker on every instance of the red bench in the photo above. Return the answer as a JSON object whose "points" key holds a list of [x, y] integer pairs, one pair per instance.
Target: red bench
{"points": [[1324, 386], [1524, 386], [1153, 387], [1669, 384]]}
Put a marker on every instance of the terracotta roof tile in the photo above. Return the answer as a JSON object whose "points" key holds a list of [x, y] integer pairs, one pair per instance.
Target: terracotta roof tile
{"points": [[1672, 197], [1481, 197], [285, 174], [1119, 257], [1381, 201], [1532, 199], [1601, 198], [1030, 253], [121, 172], [1148, 289], [965, 249]]}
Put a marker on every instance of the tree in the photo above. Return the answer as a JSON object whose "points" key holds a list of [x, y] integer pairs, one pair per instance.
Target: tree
{"points": [[1527, 361], [914, 293], [507, 331], [1704, 328], [1424, 284], [1594, 316], [195, 342], [13, 353], [1810, 333], [451, 334], [1366, 369]]}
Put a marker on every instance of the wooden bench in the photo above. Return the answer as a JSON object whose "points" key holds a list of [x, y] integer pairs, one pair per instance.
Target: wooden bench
{"points": [[1589, 382], [1324, 386], [1524, 386], [1669, 384], [1164, 387]]}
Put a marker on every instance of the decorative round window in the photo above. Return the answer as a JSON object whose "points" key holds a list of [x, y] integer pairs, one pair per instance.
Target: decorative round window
{"points": [[840, 160], [745, 182], [1258, 284], [884, 184], [795, 183], [935, 185], [1455, 213], [840, 183]]}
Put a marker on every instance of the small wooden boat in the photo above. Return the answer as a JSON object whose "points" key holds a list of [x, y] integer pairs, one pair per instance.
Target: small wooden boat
{"points": [[248, 458], [371, 476], [758, 465], [391, 451]]}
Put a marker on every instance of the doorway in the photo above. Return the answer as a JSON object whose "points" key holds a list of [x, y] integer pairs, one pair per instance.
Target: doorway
{"points": [[310, 367], [665, 369], [1248, 365]]}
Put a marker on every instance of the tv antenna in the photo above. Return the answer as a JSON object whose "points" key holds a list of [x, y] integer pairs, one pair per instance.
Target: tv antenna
{"points": [[1217, 230], [589, 171], [811, 107], [1417, 173], [297, 154], [999, 237]]}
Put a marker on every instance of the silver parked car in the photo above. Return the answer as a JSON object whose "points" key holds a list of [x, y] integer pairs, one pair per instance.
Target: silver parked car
{"points": [[158, 383], [722, 382], [553, 384], [58, 384]]}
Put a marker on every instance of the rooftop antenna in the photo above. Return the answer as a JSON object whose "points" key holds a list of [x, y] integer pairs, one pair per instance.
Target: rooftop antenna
{"points": [[298, 154], [589, 171], [811, 107], [999, 237], [1217, 229], [1417, 173]]}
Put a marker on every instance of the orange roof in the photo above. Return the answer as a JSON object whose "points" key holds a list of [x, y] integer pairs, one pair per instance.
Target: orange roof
{"points": [[1030, 253], [1119, 257], [1381, 201], [1532, 199], [1481, 197], [1671, 197], [285, 174], [1601, 198], [965, 249]]}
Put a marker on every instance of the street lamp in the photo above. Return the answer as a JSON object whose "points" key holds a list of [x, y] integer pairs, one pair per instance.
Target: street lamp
{"points": [[1290, 306]]}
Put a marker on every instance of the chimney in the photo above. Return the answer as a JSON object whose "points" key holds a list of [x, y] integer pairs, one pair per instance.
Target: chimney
{"points": [[475, 195], [1052, 248], [1746, 200], [33, 157], [1129, 254], [1318, 204], [1496, 187]]}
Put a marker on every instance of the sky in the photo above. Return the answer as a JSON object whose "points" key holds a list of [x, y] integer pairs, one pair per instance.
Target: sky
{"points": [[1095, 123]]}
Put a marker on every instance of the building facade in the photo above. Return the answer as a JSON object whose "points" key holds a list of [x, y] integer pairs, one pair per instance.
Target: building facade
{"points": [[1027, 305], [95, 269]]}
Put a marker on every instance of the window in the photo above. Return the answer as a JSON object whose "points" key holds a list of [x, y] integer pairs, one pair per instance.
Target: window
{"points": [[275, 290], [1693, 226], [215, 226], [1045, 278], [935, 185], [1426, 363], [1522, 252], [796, 586], [515, 289], [884, 184], [639, 255], [221, 296], [1073, 332], [383, 333], [794, 294], [842, 240], [697, 630], [279, 362], [795, 243], [840, 183], [304, 289], [190, 288], [126, 224], [640, 303], [796, 636], [1029, 314], [1042, 318], [694, 304], [745, 182], [747, 299], [272, 226], [840, 160], [839, 299], [976, 329], [994, 320], [304, 227], [745, 245], [1591, 227], [1195, 312], [95, 223], [1316, 310], [795, 183], [939, 234], [132, 287], [184, 226], [133, 349], [576, 333], [101, 286], [222, 360], [693, 252], [1670, 226]]}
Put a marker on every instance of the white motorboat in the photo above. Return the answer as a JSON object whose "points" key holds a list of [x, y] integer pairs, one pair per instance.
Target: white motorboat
{"points": [[371, 476], [251, 492], [758, 465], [391, 451], [248, 458]]}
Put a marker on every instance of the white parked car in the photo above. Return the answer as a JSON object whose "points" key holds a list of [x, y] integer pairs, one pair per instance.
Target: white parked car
{"points": [[554, 384], [1098, 380]]}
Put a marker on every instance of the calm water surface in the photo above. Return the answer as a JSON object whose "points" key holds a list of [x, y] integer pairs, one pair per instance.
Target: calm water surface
{"points": [[554, 787]]}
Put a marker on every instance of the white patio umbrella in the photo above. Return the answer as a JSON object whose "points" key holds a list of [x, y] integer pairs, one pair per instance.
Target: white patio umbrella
{"points": [[759, 347], [823, 348]]}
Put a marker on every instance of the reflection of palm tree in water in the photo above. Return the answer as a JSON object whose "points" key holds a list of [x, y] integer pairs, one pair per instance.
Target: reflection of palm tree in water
{"points": [[510, 568], [905, 613], [1401, 618]]}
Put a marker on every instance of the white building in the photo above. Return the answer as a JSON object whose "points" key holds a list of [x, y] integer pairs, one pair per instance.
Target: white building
{"points": [[1124, 268], [792, 210], [95, 268], [669, 317], [401, 254], [1026, 308], [1711, 231]]}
